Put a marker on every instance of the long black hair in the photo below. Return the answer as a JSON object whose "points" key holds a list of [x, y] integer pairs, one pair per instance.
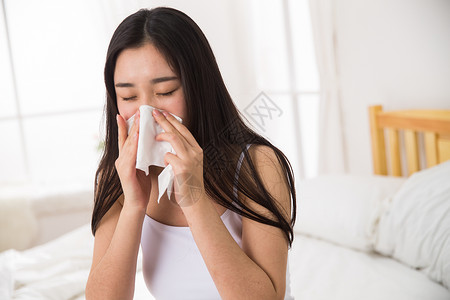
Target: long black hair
{"points": [[213, 119]]}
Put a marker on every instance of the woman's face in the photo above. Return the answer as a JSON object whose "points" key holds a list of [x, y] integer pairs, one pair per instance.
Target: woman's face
{"points": [[143, 77]]}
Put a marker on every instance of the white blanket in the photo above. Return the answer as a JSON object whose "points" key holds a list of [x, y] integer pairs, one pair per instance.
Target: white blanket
{"points": [[319, 270], [340, 266], [56, 270]]}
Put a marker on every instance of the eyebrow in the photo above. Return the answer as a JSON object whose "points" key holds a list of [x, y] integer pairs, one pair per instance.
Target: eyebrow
{"points": [[162, 79], [154, 81]]}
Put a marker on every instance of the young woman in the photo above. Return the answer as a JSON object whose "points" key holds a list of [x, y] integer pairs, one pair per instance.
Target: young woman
{"points": [[226, 231]]}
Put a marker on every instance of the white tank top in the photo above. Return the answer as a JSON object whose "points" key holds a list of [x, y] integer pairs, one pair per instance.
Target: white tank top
{"points": [[173, 267]]}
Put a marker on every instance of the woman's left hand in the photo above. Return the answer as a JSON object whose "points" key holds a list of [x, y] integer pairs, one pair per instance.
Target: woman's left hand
{"points": [[187, 163]]}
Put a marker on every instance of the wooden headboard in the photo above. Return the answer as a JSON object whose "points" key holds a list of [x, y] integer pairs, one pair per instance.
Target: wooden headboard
{"points": [[432, 126]]}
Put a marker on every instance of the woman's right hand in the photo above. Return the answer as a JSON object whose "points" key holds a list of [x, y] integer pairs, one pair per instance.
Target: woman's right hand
{"points": [[136, 185]]}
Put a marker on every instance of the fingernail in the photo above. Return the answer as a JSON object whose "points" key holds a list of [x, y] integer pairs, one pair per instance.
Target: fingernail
{"points": [[117, 117], [165, 113], [156, 112]]}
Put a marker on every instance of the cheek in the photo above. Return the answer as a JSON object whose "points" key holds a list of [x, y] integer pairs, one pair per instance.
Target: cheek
{"points": [[181, 108], [126, 110], [180, 111]]}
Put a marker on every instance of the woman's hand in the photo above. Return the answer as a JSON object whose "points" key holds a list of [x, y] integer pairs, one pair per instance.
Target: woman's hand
{"points": [[187, 163], [136, 185]]}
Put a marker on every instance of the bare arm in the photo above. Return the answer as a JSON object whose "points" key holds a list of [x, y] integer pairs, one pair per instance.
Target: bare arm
{"points": [[258, 270], [116, 249], [118, 236]]}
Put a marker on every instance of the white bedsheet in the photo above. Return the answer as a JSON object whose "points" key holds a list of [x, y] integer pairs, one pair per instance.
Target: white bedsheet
{"points": [[319, 270], [56, 270]]}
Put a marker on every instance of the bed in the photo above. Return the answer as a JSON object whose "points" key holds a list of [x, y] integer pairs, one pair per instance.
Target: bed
{"points": [[357, 237]]}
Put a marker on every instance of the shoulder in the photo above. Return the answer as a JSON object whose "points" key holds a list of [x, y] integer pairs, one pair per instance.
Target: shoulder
{"points": [[270, 172], [268, 166], [263, 155]]}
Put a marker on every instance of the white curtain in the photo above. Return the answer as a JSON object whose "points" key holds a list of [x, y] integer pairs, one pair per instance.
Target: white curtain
{"points": [[331, 138], [250, 40]]}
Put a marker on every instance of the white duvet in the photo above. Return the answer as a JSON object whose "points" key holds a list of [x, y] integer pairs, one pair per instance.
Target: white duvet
{"points": [[322, 271], [319, 270], [338, 228], [56, 270]]}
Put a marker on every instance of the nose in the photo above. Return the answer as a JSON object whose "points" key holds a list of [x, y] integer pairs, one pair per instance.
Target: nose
{"points": [[147, 99]]}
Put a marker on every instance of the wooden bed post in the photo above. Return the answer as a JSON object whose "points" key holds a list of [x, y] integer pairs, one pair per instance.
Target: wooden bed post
{"points": [[378, 146], [394, 152], [431, 149], [412, 151]]}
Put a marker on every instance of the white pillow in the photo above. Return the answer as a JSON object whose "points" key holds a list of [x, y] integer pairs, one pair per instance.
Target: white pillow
{"points": [[48, 200], [343, 209], [18, 224], [415, 229]]}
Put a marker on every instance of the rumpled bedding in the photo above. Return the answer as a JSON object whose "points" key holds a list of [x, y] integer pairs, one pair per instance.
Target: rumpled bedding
{"points": [[319, 270], [56, 270], [332, 257]]}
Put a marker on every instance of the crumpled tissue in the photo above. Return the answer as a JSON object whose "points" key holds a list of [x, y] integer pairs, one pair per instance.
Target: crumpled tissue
{"points": [[150, 152]]}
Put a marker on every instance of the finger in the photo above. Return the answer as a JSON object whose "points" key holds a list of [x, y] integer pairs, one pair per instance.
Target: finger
{"points": [[122, 135], [127, 157], [123, 131], [130, 147], [181, 128], [171, 159], [161, 119], [168, 127], [134, 131], [175, 141], [129, 150], [136, 122]]}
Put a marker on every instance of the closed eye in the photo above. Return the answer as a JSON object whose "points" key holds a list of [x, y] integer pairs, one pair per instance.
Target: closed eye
{"points": [[168, 93], [129, 98]]}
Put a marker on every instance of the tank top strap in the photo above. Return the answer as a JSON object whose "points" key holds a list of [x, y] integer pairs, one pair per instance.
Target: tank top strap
{"points": [[236, 176]]}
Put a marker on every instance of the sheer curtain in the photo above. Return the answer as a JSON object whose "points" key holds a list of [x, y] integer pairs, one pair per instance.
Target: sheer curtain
{"points": [[284, 60], [331, 139], [51, 124], [50, 119]]}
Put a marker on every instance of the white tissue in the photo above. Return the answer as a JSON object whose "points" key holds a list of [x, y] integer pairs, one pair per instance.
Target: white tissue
{"points": [[151, 152]]}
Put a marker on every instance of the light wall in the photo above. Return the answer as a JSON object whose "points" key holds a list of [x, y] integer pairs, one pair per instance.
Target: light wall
{"points": [[393, 53]]}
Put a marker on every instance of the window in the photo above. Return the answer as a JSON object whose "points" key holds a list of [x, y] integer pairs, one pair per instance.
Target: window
{"points": [[287, 73], [52, 90]]}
